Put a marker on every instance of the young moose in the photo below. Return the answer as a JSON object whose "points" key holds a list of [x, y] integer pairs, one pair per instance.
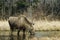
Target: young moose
{"points": [[20, 23]]}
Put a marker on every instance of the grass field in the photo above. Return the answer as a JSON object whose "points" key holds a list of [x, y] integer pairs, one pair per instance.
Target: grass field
{"points": [[39, 25], [47, 25]]}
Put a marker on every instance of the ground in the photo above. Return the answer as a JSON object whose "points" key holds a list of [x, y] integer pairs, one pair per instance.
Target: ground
{"points": [[46, 38]]}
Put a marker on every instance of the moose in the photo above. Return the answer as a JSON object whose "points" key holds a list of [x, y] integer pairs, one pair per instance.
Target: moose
{"points": [[21, 23]]}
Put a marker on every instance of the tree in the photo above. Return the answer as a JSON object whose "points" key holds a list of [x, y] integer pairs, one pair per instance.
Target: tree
{"points": [[22, 6]]}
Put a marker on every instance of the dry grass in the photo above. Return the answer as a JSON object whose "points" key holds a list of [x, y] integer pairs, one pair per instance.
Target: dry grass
{"points": [[4, 25], [39, 25], [47, 25]]}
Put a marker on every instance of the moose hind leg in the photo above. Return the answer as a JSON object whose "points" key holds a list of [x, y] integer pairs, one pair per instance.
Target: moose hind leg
{"points": [[18, 34], [11, 34], [24, 34]]}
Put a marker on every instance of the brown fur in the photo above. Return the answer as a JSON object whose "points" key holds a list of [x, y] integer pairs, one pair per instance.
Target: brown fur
{"points": [[20, 23]]}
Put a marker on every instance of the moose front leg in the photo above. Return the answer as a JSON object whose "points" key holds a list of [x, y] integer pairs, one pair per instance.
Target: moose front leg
{"points": [[24, 34]]}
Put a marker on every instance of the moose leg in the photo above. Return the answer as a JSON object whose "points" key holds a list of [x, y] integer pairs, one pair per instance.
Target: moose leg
{"points": [[27, 34], [11, 31], [24, 34], [11, 34], [18, 34]]}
